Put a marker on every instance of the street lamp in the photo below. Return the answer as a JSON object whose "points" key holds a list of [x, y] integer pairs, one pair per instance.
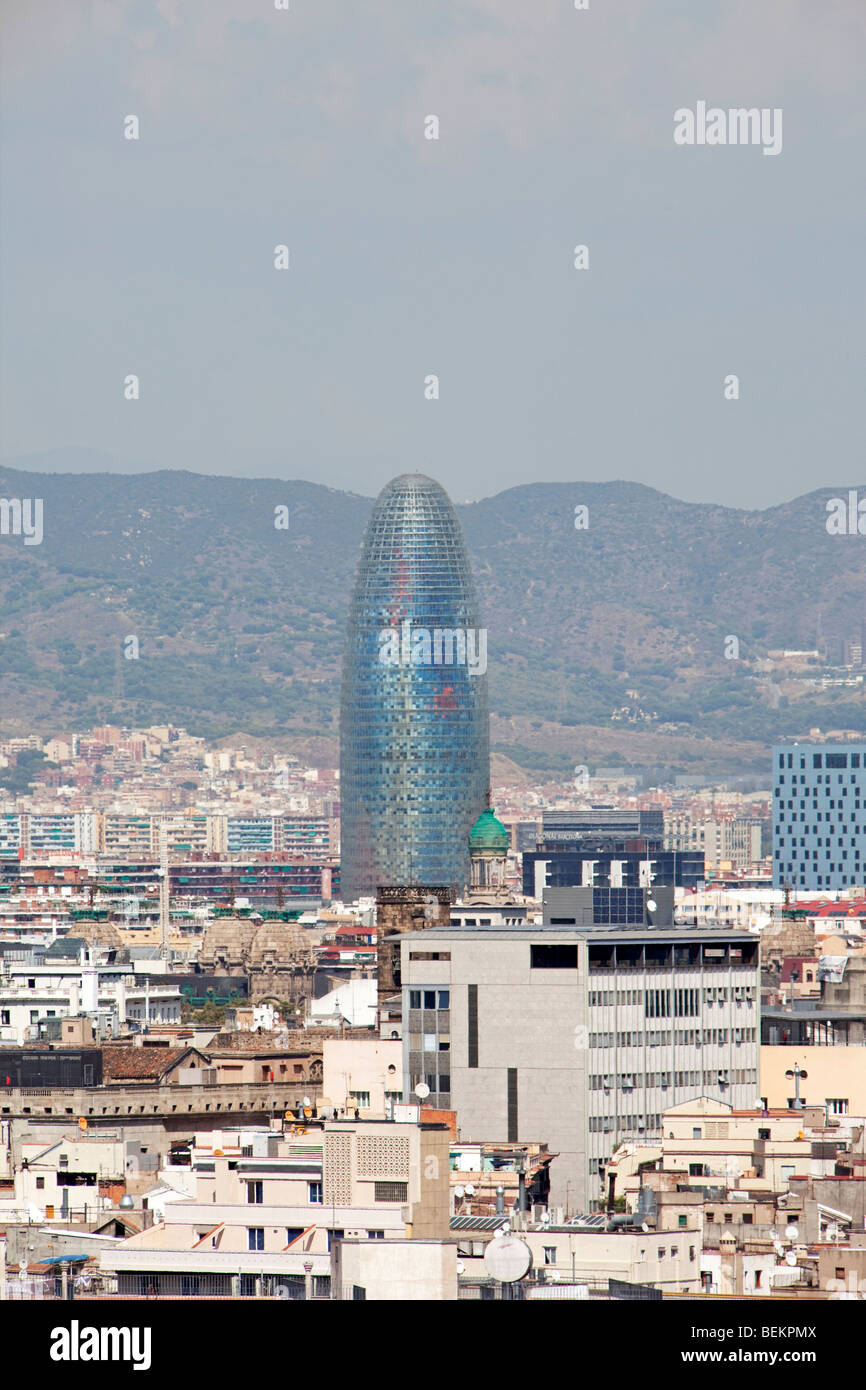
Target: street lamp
{"points": [[796, 1072]]}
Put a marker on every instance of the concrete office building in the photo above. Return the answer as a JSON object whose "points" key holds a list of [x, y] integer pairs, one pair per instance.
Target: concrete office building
{"points": [[607, 847], [819, 815], [583, 1035]]}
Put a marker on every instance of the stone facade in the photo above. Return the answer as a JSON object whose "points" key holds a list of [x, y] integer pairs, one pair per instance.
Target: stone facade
{"points": [[276, 957], [401, 909]]}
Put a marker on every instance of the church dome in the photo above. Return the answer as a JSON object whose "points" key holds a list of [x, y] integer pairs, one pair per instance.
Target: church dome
{"points": [[488, 834]]}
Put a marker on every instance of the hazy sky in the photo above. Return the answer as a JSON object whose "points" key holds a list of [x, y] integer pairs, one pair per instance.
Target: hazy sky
{"points": [[411, 256]]}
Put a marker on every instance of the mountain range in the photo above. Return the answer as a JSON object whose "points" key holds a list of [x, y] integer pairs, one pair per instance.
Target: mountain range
{"points": [[625, 627]]}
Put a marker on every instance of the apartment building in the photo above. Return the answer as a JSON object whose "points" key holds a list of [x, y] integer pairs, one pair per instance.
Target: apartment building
{"points": [[69, 979], [735, 840], [63, 1179], [260, 1222]]}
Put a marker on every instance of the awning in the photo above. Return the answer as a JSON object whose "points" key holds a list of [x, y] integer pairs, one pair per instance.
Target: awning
{"points": [[64, 1259]]}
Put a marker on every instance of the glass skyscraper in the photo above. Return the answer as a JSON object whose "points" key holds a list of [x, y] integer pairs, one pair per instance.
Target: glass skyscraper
{"points": [[414, 739]]}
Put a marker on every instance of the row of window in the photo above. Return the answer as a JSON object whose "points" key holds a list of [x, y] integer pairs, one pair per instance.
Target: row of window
{"points": [[741, 1076], [687, 1037], [429, 1042], [822, 760], [608, 1124], [686, 1001], [439, 1085], [256, 1189], [256, 1236], [429, 999]]}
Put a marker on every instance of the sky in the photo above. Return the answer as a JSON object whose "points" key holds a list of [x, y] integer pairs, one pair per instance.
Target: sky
{"points": [[412, 257]]}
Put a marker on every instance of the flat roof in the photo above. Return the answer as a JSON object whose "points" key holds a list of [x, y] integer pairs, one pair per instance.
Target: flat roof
{"points": [[605, 934]]}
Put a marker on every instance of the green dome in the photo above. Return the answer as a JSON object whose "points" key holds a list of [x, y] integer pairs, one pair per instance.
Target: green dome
{"points": [[488, 833]]}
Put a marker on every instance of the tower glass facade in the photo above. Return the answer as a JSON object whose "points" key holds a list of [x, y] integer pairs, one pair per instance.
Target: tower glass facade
{"points": [[414, 741]]}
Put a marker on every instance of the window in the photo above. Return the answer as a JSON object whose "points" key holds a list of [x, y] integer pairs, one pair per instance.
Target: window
{"points": [[682, 1219], [444, 999], [429, 999], [837, 1107], [747, 1218], [360, 1099], [550, 1254], [332, 1236], [292, 1233], [5, 1016], [40, 1183], [255, 1192], [391, 1191], [375, 1235], [315, 1191], [31, 984], [414, 999], [728, 1218], [255, 1237], [559, 957], [697, 1133], [711, 1216]]}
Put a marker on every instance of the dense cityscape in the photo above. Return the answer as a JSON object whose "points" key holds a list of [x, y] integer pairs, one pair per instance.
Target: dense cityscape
{"points": [[432, 684], [582, 1041]]}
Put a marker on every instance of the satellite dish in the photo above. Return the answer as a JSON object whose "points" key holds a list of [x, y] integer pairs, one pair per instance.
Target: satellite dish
{"points": [[422, 1090], [307, 1102], [790, 1258], [507, 1259], [470, 1189], [779, 1248], [644, 1227], [459, 1192], [461, 1268], [651, 905], [792, 1232]]}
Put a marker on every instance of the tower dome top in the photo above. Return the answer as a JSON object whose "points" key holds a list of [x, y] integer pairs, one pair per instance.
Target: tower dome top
{"points": [[488, 833]]}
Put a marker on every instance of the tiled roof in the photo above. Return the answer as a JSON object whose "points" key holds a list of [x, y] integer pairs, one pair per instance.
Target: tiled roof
{"points": [[124, 1063]]}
